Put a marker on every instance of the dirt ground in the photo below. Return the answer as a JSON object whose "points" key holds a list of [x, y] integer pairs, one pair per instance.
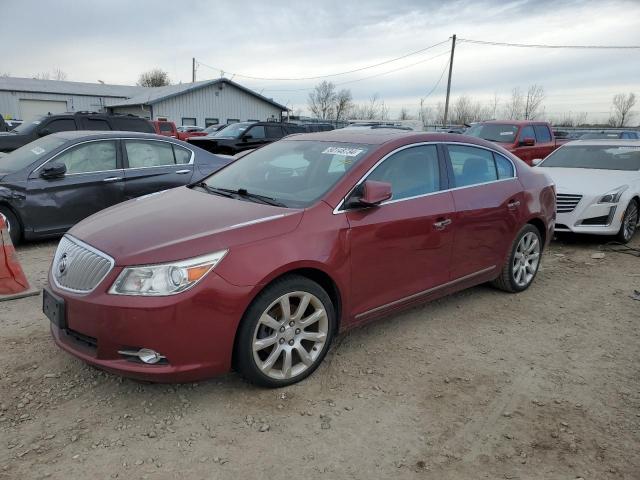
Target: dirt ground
{"points": [[482, 384]]}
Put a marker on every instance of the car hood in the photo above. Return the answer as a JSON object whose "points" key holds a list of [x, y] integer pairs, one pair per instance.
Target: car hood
{"points": [[586, 181], [181, 223]]}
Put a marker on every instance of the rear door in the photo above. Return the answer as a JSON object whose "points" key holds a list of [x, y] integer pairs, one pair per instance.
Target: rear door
{"points": [[93, 182], [488, 199], [154, 165], [55, 125], [258, 138]]}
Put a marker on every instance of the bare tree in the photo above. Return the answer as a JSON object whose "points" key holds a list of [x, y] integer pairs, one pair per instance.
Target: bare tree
{"points": [[404, 114], [514, 108], [622, 105], [154, 78], [58, 74], [42, 76], [343, 104], [494, 103], [533, 102], [321, 101]]}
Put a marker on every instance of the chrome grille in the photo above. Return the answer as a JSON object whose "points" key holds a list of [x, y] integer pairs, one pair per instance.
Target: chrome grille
{"points": [[566, 203], [78, 267]]}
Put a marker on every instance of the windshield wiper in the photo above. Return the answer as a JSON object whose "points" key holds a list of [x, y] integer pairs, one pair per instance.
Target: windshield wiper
{"points": [[216, 191], [254, 196]]}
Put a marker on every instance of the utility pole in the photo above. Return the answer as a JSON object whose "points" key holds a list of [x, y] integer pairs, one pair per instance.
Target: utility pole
{"points": [[446, 104], [193, 70]]}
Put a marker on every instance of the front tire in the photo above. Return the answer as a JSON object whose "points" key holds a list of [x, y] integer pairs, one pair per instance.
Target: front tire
{"points": [[522, 264], [13, 225], [285, 333], [629, 222]]}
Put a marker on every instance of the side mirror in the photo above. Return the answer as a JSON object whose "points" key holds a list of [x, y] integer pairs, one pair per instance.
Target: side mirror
{"points": [[536, 161], [528, 142], [371, 194], [53, 170], [246, 136], [44, 132]]}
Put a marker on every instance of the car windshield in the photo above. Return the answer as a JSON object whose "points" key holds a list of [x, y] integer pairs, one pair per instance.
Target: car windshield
{"points": [[294, 173], [233, 131], [29, 153], [27, 127], [601, 157], [494, 132]]}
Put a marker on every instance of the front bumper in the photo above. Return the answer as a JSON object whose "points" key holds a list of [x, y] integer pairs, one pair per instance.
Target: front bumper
{"points": [[194, 330], [591, 217]]}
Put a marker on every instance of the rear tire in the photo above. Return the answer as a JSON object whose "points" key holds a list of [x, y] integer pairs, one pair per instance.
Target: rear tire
{"points": [[522, 264], [285, 333], [13, 225], [629, 222]]}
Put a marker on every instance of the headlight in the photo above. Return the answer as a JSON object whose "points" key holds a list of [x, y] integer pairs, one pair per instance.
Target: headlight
{"points": [[614, 195], [165, 279]]}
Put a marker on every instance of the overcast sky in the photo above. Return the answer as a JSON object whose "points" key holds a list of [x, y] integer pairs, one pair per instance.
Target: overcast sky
{"points": [[116, 40]]}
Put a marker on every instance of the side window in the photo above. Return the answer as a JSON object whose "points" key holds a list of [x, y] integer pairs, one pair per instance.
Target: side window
{"points": [[166, 127], [527, 132], [411, 172], [471, 165], [274, 132], [210, 121], [256, 132], [90, 157], [97, 124], [148, 154], [132, 124], [188, 121], [61, 125], [542, 133], [504, 167], [183, 156], [232, 120]]}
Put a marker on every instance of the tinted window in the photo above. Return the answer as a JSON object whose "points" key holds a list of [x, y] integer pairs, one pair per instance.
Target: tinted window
{"points": [[132, 125], [542, 133], [148, 154], [274, 132], [97, 124], [471, 165], [504, 166], [527, 132], [61, 125], [166, 127], [90, 157], [182, 155], [256, 132], [411, 172]]}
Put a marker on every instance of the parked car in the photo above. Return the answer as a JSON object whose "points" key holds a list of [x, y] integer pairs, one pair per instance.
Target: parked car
{"points": [[187, 131], [165, 128], [214, 128], [317, 127], [598, 184], [64, 122], [261, 264], [241, 136], [3, 125], [611, 134], [525, 139], [54, 182]]}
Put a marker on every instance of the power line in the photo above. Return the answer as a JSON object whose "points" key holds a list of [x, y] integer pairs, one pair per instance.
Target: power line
{"points": [[327, 75], [534, 45], [439, 79]]}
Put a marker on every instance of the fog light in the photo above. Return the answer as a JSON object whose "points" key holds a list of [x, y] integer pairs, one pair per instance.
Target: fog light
{"points": [[145, 355]]}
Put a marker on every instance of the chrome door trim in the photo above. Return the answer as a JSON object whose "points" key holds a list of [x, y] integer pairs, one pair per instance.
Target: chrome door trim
{"points": [[426, 292]]}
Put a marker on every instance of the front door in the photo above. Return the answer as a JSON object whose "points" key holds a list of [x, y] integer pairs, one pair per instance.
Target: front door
{"points": [[94, 181], [402, 247], [488, 199]]}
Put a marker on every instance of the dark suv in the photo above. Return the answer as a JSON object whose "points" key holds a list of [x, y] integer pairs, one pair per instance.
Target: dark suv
{"points": [[241, 136], [47, 124]]}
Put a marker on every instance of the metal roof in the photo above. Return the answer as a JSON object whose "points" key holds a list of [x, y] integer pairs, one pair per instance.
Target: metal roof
{"points": [[154, 95], [17, 84]]}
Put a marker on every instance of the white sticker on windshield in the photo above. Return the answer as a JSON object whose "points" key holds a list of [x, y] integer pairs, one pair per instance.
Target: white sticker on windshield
{"points": [[38, 150], [347, 152], [506, 133]]}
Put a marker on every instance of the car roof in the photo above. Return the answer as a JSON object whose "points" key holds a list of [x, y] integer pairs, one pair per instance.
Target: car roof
{"points": [[614, 142], [97, 134], [519, 123]]}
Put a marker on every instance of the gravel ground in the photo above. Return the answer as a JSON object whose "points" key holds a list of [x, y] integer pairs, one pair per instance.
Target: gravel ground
{"points": [[482, 384]]}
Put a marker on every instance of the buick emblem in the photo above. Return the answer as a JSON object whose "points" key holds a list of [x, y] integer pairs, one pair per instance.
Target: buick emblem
{"points": [[62, 264]]}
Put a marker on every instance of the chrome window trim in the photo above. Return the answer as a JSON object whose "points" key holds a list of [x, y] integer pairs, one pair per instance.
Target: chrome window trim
{"points": [[191, 160], [338, 210], [99, 253], [426, 292]]}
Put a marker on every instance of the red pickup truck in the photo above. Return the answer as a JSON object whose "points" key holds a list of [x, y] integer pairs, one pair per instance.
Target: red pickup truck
{"points": [[525, 139]]}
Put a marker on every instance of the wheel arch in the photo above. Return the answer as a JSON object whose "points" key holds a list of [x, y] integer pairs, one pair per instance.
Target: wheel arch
{"points": [[15, 214], [542, 228]]}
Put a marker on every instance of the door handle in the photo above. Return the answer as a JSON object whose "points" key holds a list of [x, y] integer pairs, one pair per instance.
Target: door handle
{"points": [[182, 172], [112, 179], [513, 204], [442, 224]]}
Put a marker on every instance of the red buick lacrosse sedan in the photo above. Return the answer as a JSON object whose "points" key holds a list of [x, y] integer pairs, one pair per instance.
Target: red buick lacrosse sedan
{"points": [[260, 265]]}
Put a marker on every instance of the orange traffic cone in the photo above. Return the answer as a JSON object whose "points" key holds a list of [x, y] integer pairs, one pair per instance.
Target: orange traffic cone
{"points": [[13, 282]]}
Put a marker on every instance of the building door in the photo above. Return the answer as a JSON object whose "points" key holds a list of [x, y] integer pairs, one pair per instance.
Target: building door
{"points": [[34, 108]]}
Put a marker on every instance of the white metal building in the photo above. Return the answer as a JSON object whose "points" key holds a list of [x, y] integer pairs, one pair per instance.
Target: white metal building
{"points": [[200, 103]]}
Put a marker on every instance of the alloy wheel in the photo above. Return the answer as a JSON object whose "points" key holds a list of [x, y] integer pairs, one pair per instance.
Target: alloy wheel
{"points": [[290, 335], [630, 221], [526, 259]]}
